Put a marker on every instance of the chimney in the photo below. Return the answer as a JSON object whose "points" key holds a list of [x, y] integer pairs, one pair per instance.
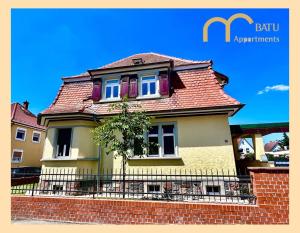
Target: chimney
{"points": [[26, 104]]}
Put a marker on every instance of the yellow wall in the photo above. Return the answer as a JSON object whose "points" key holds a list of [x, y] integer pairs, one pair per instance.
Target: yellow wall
{"points": [[32, 152], [201, 145], [81, 141], [204, 142]]}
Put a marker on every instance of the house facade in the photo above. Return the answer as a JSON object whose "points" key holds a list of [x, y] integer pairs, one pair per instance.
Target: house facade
{"points": [[245, 147], [27, 137], [186, 99]]}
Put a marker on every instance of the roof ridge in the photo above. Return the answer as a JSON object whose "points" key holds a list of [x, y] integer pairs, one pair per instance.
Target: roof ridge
{"points": [[178, 58]]}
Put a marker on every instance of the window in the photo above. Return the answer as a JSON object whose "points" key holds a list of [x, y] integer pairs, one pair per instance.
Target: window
{"points": [[36, 137], [153, 141], [17, 156], [112, 89], [63, 142], [161, 139], [57, 189], [153, 188], [21, 134], [168, 139], [212, 190], [247, 150], [149, 86]]}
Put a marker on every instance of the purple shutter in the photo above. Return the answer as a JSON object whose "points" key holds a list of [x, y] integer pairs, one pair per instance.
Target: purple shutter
{"points": [[164, 84], [96, 94], [124, 86], [133, 87]]}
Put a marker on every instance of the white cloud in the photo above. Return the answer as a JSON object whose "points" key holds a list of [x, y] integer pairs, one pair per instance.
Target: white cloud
{"points": [[279, 87]]}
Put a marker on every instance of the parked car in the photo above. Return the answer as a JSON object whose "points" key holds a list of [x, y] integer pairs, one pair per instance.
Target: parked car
{"points": [[25, 172]]}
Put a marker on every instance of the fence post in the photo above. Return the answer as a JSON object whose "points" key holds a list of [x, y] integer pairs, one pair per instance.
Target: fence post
{"points": [[94, 183], [32, 191]]}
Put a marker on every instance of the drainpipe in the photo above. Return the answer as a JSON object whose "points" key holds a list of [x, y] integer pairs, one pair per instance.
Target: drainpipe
{"points": [[98, 162], [99, 168]]}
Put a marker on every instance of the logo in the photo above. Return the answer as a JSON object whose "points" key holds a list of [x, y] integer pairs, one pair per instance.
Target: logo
{"points": [[227, 24]]}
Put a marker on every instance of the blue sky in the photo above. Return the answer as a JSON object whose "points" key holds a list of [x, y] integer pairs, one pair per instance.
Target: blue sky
{"points": [[48, 44]]}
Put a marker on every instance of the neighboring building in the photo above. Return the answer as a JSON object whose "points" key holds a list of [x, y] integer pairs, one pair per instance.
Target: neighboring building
{"points": [[27, 137], [245, 147], [272, 146], [186, 98]]}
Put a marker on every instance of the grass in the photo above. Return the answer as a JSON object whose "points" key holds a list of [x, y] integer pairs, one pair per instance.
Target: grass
{"points": [[21, 189]]}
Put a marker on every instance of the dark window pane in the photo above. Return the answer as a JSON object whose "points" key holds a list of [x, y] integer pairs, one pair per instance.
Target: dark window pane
{"points": [[153, 147], [169, 145], [153, 130], [212, 189], [116, 91], [152, 88], [108, 92], [168, 128], [64, 141], [144, 89], [138, 149], [20, 134]]}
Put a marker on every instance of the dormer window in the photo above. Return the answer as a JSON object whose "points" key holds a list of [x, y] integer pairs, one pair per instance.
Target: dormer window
{"points": [[112, 89], [149, 86], [137, 61]]}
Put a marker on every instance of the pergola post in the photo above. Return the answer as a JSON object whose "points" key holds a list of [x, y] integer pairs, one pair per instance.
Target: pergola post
{"points": [[258, 145], [236, 148]]}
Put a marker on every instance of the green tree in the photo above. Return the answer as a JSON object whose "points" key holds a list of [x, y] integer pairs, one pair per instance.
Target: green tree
{"points": [[119, 133], [285, 141]]}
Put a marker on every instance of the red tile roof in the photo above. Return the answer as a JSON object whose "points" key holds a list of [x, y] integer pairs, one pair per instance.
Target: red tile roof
{"points": [[193, 89], [270, 146], [23, 116], [149, 58]]}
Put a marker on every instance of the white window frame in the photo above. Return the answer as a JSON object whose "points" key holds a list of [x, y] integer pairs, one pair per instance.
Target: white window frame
{"points": [[12, 156], [57, 146], [154, 192], [154, 135], [19, 139], [39, 133], [148, 95], [111, 85], [161, 141]]}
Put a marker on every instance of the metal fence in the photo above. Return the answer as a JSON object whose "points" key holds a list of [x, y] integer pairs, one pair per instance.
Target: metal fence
{"points": [[192, 186]]}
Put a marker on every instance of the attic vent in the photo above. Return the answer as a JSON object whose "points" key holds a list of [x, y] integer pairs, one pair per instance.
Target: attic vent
{"points": [[137, 61]]}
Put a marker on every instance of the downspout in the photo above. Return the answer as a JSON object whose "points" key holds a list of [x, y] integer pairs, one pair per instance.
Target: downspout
{"points": [[98, 162]]}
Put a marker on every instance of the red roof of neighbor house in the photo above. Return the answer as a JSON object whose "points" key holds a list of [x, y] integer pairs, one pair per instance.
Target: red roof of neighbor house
{"points": [[23, 116], [270, 146], [193, 89]]}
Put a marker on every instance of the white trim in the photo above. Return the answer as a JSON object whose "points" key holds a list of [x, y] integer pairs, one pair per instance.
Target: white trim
{"points": [[111, 85], [160, 136], [12, 155], [18, 139], [148, 95], [40, 135]]}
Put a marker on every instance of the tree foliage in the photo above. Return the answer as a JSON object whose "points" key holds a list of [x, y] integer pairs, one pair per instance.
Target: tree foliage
{"points": [[285, 141], [118, 133]]}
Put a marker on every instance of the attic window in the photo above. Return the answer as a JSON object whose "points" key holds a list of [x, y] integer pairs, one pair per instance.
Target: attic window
{"points": [[137, 61]]}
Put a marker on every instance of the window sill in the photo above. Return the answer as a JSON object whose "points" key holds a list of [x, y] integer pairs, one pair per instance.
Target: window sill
{"points": [[21, 140], [148, 97], [16, 161], [156, 158], [109, 100]]}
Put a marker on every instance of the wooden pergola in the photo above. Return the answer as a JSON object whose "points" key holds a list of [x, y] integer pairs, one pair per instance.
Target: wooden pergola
{"points": [[256, 132]]}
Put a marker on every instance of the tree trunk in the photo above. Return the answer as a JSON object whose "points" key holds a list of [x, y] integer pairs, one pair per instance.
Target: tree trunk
{"points": [[124, 174]]}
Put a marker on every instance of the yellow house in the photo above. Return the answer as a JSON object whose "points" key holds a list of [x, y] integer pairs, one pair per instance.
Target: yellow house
{"points": [[27, 137], [185, 97]]}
